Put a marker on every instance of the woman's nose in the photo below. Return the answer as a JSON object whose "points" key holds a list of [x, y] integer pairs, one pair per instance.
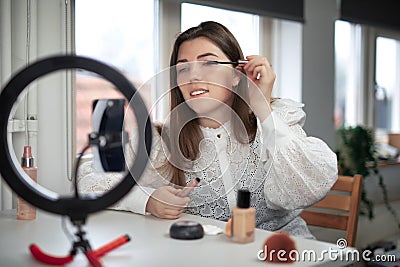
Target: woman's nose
{"points": [[195, 72]]}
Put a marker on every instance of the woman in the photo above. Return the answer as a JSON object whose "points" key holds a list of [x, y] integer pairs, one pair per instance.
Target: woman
{"points": [[226, 129]]}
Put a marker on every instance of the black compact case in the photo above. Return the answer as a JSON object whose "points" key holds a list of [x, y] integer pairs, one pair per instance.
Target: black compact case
{"points": [[186, 230]]}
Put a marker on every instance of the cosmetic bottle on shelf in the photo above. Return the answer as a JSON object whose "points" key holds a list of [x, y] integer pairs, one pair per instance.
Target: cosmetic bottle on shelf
{"points": [[26, 211], [243, 220]]}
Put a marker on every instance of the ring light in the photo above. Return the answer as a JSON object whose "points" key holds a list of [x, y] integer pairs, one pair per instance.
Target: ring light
{"points": [[75, 208]]}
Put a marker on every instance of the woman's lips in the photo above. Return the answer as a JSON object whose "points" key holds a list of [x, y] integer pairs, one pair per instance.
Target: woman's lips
{"points": [[198, 92]]}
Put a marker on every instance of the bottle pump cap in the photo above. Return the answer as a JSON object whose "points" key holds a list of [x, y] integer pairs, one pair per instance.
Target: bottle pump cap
{"points": [[243, 199]]}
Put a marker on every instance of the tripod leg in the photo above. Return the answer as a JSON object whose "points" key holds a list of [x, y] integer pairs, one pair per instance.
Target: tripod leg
{"points": [[43, 257], [111, 245], [93, 259]]}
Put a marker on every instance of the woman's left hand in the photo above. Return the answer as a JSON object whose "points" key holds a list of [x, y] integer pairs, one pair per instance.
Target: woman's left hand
{"points": [[260, 72]]}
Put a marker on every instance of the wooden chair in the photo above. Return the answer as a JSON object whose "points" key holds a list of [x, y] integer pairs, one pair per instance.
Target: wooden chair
{"points": [[322, 213]]}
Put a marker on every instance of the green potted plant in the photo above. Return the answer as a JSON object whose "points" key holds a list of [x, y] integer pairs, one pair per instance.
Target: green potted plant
{"points": [[356, 155]]}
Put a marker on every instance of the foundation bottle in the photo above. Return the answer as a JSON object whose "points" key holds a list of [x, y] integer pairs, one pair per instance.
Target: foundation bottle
{"points": [[26, 211], [243, 219]]}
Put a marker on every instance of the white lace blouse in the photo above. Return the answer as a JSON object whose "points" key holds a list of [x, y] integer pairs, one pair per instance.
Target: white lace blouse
{"points": [[284, 170]]}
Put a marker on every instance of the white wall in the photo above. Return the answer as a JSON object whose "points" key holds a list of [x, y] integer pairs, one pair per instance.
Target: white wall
{"points": [[318, 68]]}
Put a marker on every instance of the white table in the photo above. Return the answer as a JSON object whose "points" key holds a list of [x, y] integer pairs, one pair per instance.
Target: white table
{"points": [[150, 243]]}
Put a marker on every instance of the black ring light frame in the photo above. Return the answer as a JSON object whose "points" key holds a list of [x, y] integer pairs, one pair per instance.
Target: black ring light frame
{"points": [[75, 208]]}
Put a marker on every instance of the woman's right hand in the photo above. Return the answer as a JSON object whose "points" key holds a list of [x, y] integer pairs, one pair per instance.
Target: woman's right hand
{"points": [[164, 203]]}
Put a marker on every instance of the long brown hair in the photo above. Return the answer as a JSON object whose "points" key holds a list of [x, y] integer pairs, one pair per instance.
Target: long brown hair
{"points": [[191, 135]]}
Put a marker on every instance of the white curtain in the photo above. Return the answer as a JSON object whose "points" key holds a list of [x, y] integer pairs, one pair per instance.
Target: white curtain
{"points": [[30, 29]]}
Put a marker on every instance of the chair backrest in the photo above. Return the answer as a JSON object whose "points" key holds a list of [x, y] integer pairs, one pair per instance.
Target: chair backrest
{"points": [[323, 213]]}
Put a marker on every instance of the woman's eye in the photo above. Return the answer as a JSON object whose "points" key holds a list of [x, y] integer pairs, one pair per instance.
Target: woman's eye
{"points": [[210, 63], [182, 69]]}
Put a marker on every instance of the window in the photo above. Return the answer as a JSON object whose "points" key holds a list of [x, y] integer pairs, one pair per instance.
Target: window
{"points": [[244, 26], [115, 33], [348, 80], [387, 85], [286, 58], [362, 96]]}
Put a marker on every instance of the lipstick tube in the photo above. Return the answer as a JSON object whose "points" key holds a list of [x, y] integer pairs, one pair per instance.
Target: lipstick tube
{"points": [[26, 211]]}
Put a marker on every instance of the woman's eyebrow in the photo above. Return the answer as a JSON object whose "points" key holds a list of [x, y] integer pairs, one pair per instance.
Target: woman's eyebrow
{"points": [[198, 57], [206, 55]]}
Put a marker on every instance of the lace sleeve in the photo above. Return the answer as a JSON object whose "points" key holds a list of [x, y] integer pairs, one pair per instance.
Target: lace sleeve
{"points": [[303, 168]]}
